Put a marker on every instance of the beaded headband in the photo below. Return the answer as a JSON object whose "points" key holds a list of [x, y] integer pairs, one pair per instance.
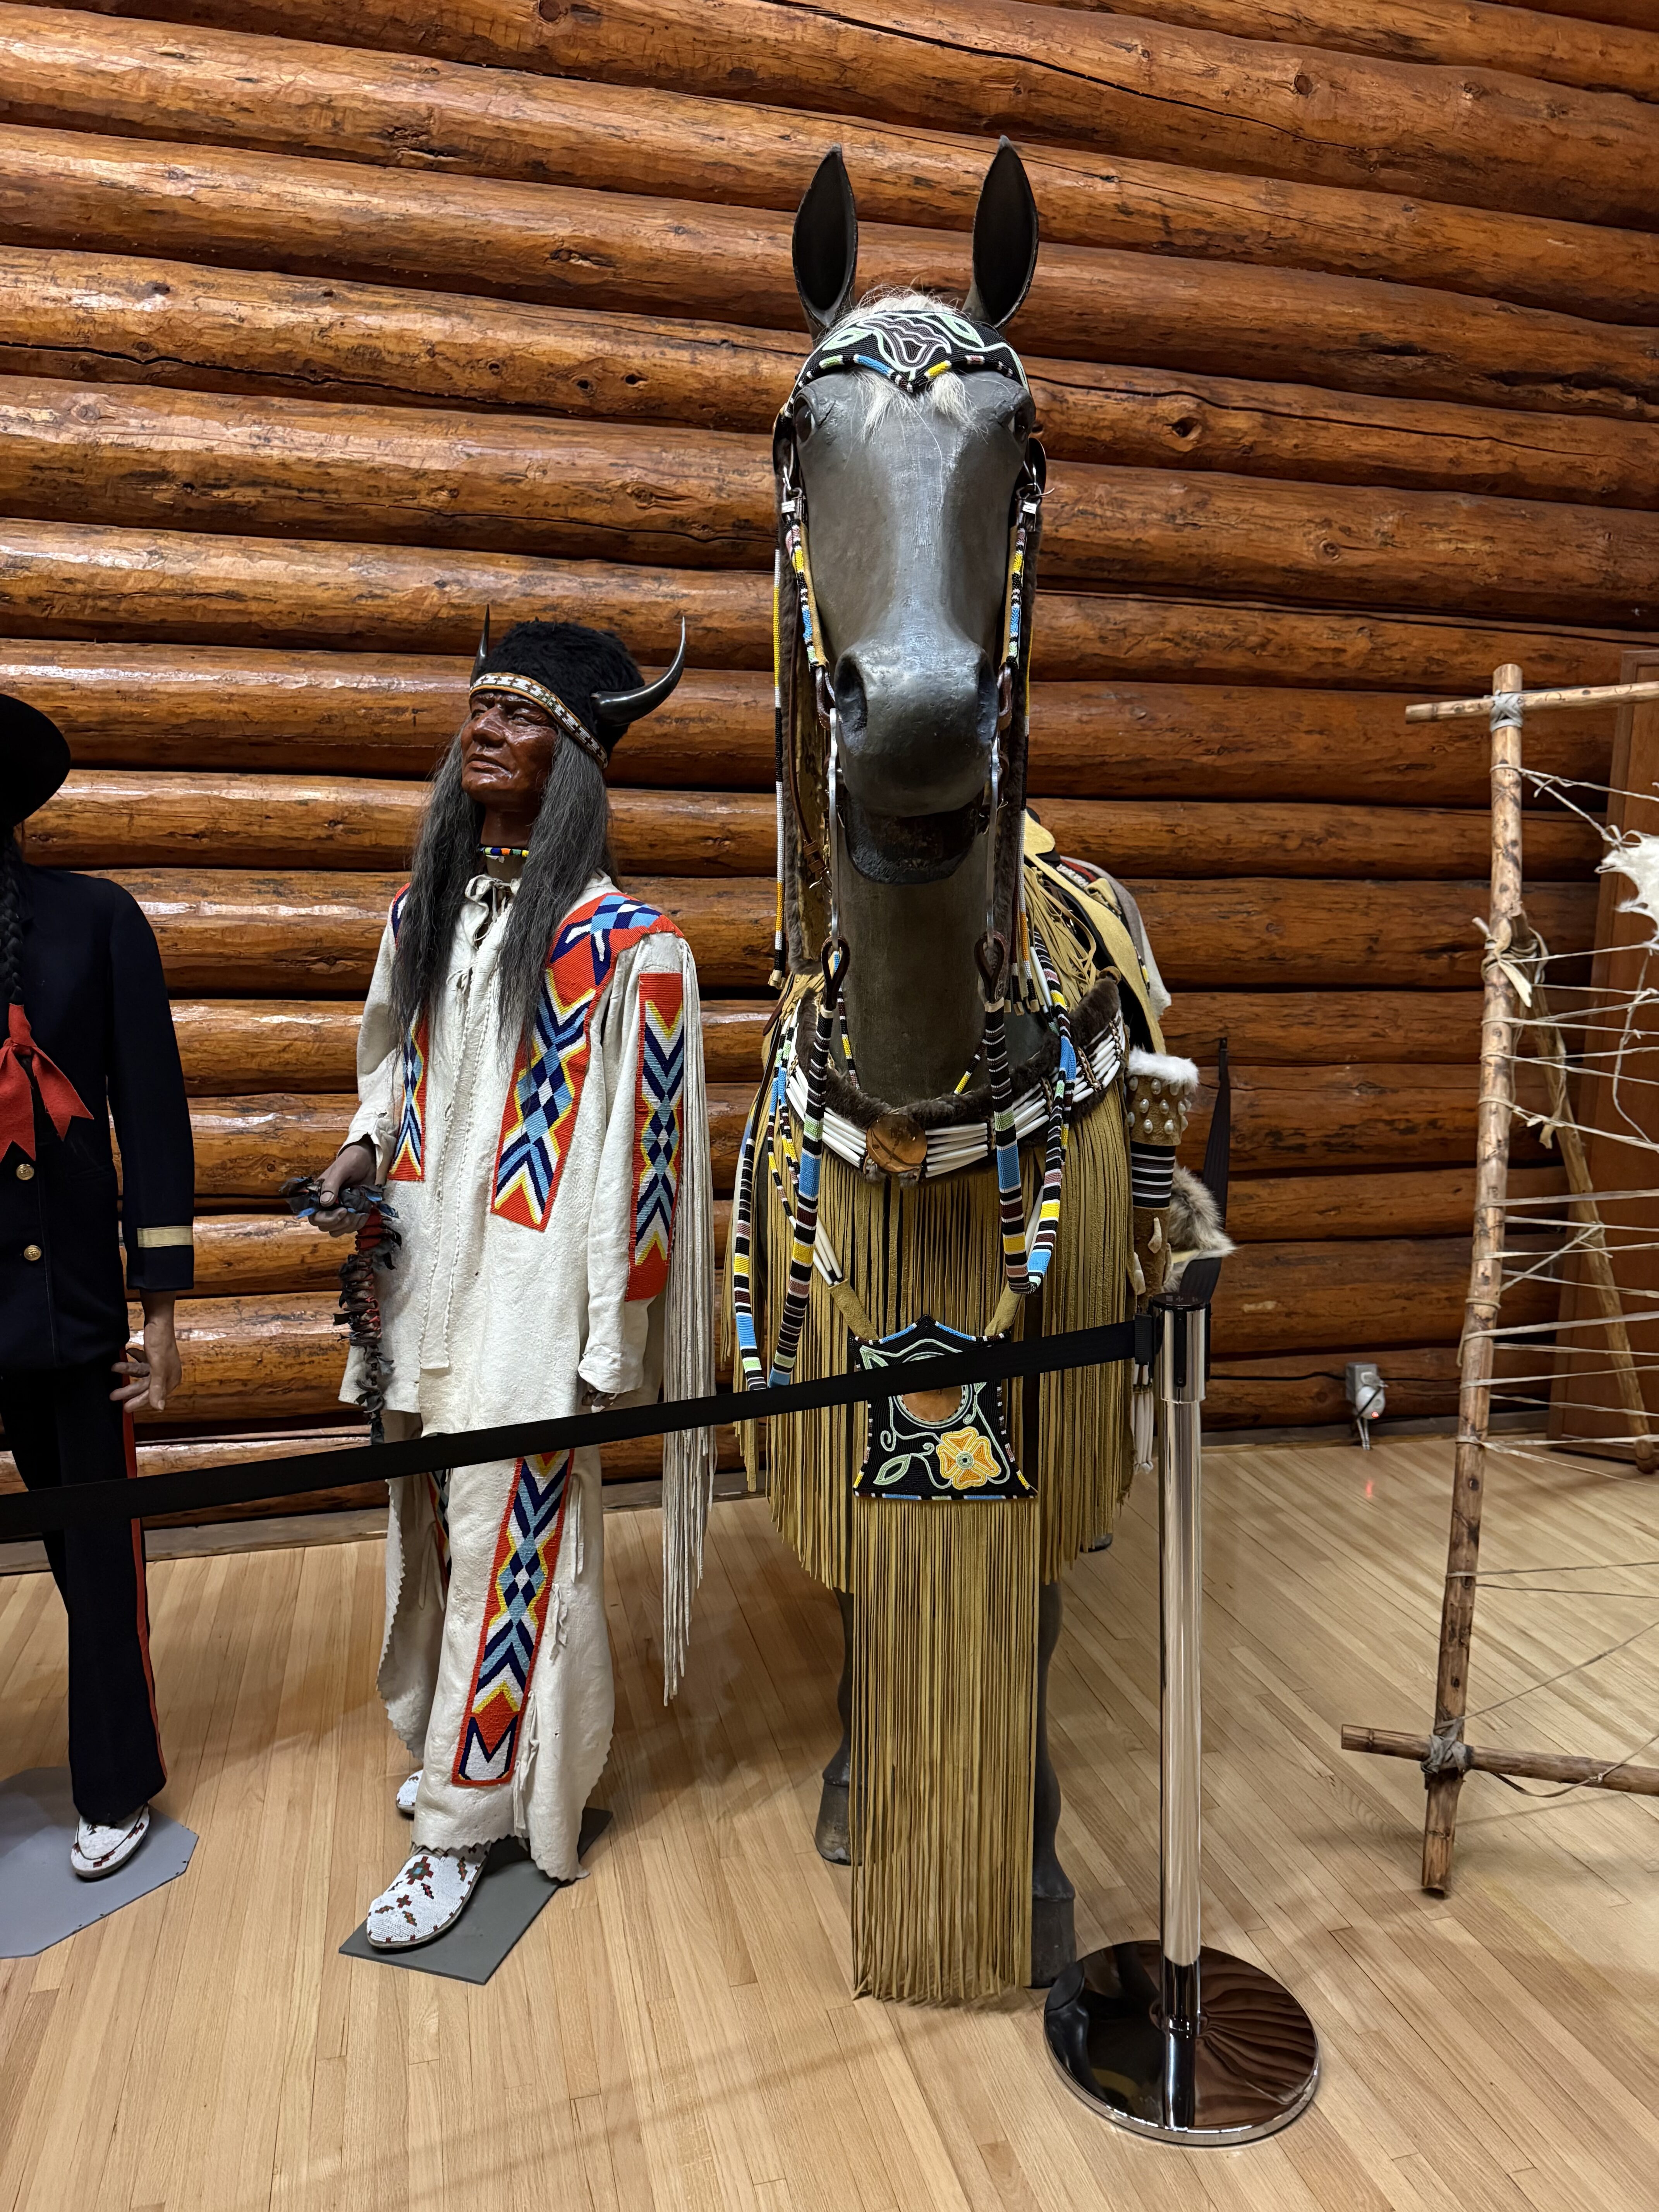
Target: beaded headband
{"points": [[526, 687], [911, 345]]}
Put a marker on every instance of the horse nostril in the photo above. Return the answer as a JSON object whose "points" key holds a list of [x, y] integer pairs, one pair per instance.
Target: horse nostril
{"points": [[851, 703]]}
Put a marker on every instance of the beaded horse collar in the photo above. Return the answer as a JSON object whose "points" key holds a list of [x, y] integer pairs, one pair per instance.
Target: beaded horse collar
{"points": [[526, 687]]}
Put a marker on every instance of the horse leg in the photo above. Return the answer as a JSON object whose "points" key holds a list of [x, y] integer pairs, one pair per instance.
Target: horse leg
{"points": [[833, 1835], [1053, 1935]]}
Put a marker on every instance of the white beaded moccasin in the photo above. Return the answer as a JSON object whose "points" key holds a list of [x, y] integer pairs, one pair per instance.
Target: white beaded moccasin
{"points": [[407, 1789], [429, 1896], [98, 1851]]}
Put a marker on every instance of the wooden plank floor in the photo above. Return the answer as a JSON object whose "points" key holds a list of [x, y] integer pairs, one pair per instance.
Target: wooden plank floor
{"points": [[677, 2030]]}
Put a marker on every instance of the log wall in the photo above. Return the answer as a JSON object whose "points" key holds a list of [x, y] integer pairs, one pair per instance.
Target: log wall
{"points": [[321, 326]]}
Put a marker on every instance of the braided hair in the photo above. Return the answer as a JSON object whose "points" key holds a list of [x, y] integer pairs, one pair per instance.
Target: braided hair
{"points": [[11, 924]]}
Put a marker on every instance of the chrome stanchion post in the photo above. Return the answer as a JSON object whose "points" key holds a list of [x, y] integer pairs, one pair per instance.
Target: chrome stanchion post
{"points": [[1169, 2038], [1179, 1377]]}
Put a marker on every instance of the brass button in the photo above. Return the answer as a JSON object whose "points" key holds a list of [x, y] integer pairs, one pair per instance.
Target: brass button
{"points": [[25, 1171], [31, 1251]]}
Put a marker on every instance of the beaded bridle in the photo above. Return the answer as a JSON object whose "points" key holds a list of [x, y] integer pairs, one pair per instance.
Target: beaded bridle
{"points": [[910, 345]]}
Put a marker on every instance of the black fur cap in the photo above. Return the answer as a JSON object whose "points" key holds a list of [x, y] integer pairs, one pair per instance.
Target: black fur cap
{"points": [[570, 659]]}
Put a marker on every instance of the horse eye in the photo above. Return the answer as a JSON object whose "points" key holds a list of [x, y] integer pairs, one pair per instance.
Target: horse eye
{"points": [[805, 421]]}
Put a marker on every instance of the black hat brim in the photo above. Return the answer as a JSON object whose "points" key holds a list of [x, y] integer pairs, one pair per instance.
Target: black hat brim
{"points": [[34, 758]]}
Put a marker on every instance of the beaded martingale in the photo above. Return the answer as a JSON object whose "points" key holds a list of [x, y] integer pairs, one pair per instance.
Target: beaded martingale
{"points": [[1025, 1273], [808, 1173]]}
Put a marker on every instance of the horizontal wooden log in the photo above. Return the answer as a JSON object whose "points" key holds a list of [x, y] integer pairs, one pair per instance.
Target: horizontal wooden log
{"points": [[234, 1046], [277, 1356], [1306, 1390], [257, 1254], [209, 708], [703, 498], [226, 929], [1331, 1296], [230, 1047], [1288, 112], [1157, 740], [1288, 1123], [247, 1147], [225, 87], [1324, 1028], [61, 580], [234, 932], [1294, 1120], [120, 817], [573, 249], [1394, 1202], [95, 319], [1259, 933], [258, 1359], [1597, 56], [250, 1254]]}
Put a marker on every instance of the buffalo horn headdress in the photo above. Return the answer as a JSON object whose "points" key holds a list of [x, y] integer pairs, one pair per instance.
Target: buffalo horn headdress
{"points": [[572, 673]]}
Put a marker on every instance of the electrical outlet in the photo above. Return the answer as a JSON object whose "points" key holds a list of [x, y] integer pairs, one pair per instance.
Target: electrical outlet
{"points": [[1366, 1396]]}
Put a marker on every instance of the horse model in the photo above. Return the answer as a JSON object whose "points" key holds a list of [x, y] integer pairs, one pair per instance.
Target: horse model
{"points": [[967, 1124]]}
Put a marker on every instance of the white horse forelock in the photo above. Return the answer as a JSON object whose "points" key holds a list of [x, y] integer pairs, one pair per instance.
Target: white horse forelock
{"points": [[946, 396]]}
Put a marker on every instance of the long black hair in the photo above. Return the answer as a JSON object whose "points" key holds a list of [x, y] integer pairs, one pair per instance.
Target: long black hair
{"points": [[569, 845]]}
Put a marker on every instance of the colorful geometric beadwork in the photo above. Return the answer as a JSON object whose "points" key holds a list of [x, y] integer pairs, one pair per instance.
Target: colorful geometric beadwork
{"points": [[409, 1154], [409, 1157], [659, 1129], [515, 1613], [540, 1113]]}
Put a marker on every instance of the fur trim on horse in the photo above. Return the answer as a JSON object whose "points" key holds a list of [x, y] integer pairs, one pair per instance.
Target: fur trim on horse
{"points": [[1181, 1075], [1194, 1226]]}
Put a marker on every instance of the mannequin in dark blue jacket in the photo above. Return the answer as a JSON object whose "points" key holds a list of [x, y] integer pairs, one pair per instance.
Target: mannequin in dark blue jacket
{"points": [[87, 1034]]}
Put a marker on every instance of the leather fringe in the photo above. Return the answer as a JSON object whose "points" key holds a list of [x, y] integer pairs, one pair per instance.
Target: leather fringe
{"points": [[934, 1249], [944, 1649]]}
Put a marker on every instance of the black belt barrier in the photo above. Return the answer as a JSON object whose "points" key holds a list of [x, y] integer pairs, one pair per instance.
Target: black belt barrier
{"points": [[76, 1505]]}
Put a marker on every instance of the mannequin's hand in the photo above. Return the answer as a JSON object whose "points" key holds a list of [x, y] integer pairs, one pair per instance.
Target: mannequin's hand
{"points": [[356, 1163], [597, 1401], [155, 1370]]}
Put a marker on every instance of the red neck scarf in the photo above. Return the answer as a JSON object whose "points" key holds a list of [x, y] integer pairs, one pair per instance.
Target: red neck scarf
{"points": [[22, 1059]]}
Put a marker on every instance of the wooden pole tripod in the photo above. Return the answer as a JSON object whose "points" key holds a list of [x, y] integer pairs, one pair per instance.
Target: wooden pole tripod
{"points": [[1510, 945]]}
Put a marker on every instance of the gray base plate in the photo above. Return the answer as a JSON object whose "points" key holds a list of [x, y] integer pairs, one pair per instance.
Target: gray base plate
{"points": [[1250, 2070], [511, 1892], [41, 1902]]}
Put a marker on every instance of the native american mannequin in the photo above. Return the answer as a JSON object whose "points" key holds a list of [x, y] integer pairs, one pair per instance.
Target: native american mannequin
{"points": [[530, 1068], [968, 1122], [89, 1033]]}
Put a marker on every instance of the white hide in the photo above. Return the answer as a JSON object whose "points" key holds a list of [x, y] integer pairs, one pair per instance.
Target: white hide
{"points": [[1636, 857]]}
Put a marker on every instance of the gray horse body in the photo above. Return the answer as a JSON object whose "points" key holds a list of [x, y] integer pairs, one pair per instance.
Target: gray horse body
{"points": [[908, 500]]}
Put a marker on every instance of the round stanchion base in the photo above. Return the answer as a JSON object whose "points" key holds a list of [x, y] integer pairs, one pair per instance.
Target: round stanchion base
{"points": [[1252, 2066]]}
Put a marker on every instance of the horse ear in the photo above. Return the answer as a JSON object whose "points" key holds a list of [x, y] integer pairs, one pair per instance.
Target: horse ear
{"points": [[1004, 240], [826, 245]]}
